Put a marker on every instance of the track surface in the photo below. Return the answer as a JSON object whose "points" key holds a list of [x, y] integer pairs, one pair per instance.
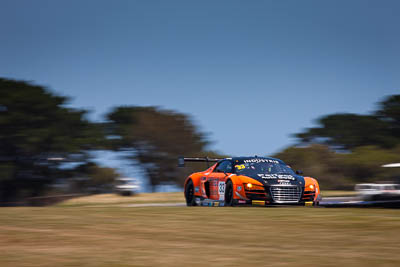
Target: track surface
{"points": [[172, 204], [355, 202], [326, 201], [334, 202]]}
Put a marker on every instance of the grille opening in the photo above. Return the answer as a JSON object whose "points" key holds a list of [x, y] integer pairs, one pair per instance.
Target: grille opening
{"points": [[207, 187], [255, 193], [308, 196], [286, 194]]}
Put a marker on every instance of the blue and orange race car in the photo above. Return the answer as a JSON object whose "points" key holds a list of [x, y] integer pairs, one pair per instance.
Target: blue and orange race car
{"points": [[249, 181]]}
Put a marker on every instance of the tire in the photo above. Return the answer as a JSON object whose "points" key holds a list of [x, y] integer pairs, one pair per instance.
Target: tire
{"points": [[189, 194], [229, 201]]}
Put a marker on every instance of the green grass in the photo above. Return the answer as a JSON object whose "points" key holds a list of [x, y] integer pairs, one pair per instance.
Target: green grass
{"points": [[198, 236]]}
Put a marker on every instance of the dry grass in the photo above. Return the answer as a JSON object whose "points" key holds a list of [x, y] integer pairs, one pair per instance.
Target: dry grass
{"points": [[114, 199], [199, 236]]}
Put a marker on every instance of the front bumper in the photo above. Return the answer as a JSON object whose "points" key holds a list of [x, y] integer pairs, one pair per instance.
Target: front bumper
{"points": [[268, 203], [278, 195]]}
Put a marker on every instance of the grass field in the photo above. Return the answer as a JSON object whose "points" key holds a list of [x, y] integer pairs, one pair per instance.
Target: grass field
{"points": [[198, 236], [117, 200]]}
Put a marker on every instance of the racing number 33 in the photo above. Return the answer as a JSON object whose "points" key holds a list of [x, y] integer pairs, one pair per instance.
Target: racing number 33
{"points": [[221, 190]]}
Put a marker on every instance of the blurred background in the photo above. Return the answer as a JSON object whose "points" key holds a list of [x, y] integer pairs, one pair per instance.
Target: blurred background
{"points": [[99, 98], [95, 91]]}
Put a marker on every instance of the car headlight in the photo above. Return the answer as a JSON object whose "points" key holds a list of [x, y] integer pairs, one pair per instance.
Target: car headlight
{"points": [[311, 186], [250, 186]]}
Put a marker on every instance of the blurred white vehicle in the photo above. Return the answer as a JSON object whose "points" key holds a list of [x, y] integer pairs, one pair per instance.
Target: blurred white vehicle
{"points": [[378, 191], [127, 186], [392, 165]]}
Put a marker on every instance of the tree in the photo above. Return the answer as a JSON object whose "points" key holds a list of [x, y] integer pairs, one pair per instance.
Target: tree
{"points": [[317, 161], [390, 112], [36, 131], [349, 131], [364, 164], [91, 178], [342, 170], [156, 139], [366, 143]]}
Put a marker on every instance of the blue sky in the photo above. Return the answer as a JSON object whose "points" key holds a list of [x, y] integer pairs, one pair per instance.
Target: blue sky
{"points": [[250, 73]]}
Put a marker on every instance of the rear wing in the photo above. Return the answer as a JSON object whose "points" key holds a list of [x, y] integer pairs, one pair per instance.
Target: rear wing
{"points": [[181, 160]]}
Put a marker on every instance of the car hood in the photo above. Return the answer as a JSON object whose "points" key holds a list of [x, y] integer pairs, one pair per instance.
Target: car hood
{"points": [[278, 179]]}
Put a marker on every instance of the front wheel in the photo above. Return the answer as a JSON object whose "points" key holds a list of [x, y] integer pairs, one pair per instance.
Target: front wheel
{"points": [[189, 194], [229, 201]]}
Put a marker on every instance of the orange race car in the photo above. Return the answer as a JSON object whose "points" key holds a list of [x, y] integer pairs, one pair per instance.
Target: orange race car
{"points": [[249, 181]]}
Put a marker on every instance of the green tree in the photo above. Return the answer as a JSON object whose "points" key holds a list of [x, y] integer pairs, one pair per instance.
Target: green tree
{"points": [[342, 170], [91, 178], [364, 164], [349, 131], [156, 139], [36, 130], [389, 111], [317, 161], [366, 143]]}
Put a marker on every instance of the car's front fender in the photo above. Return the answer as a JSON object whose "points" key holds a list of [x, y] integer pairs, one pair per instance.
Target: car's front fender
{"points": [[238, 182]]}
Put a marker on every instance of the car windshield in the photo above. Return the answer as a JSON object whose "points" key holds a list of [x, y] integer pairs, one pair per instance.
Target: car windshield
{"points": [[266, 167]]}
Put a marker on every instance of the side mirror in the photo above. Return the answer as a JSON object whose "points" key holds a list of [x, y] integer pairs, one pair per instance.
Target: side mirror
{"points": [[300, 172]]}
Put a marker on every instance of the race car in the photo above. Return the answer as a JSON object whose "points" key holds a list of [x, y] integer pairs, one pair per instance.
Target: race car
{"points": [[249, 181], [376, 192]]}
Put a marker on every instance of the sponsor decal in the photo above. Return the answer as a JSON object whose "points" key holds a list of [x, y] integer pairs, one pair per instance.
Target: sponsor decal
{"points": [[240, 167], [260, 160], [276, 176], [242, 201], [239, 188], [284, 181], [308, 204], [216, 204], [197, 200], [196, 189]]}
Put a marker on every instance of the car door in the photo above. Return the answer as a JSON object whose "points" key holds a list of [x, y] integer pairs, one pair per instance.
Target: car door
{"points": [[218, 178]]}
